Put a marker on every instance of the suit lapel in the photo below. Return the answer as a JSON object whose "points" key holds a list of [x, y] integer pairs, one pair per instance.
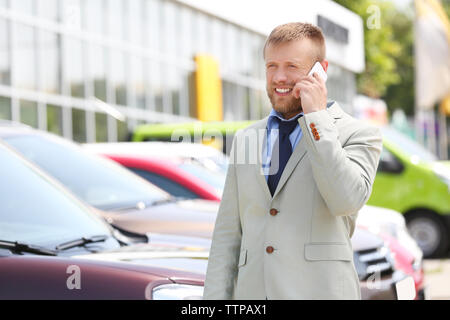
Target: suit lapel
{"points": [[300, 150], [262, 138], [298, 154]]}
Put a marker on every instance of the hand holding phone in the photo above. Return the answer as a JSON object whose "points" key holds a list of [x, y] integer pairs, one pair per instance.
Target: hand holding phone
{"points": [[313, 97], [317, 67]]}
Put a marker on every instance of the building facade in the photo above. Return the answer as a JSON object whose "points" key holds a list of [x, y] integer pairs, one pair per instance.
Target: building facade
{"points": [[91, 70]]}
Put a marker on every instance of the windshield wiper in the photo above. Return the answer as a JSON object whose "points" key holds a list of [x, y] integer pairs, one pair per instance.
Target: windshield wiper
{"points": [[80, 242], [140, 205], [18, 247], [166, 200]]}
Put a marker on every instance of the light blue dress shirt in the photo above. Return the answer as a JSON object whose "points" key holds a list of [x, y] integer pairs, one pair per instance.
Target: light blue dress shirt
{"points": [[272, 136]]}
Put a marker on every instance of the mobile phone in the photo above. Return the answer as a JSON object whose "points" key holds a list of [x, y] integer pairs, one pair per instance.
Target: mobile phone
{"points": [[317, 67]]}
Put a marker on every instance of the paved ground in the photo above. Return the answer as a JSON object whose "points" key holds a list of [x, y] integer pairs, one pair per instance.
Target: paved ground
{"points": [[437, 279]]}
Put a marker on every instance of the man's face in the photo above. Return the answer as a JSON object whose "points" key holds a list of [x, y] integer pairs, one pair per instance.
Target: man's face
{"points": [[286, 63]]}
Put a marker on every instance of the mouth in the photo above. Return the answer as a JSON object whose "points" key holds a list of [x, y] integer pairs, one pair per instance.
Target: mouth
{"points": [[283, 91]]}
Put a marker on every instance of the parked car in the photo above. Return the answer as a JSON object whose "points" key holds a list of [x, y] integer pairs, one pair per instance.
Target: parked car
{"points": [[126, 200], [412, 181], [388, 224], [373, 258], [206, 155], [391, 227], [221, 132], [47, 237], [376, 267], [409, 179], [171, 167]]}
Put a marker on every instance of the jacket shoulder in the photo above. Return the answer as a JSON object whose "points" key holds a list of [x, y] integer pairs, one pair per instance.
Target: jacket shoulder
{"points": [[350, 126]]}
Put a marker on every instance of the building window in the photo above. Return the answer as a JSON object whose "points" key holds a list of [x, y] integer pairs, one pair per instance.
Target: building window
{"points": [[73, 67], [96, 71], [49, 61], [29, 113], [54, 119], [23, 6], [115, 19], [92, 16], [117, 77], [137, 79], [24, 62], [135, 21], [122, 131], [5, 61], [101, 127], [48, 9], [79, 125], [5, 108], [71, 13], [155, 78]]}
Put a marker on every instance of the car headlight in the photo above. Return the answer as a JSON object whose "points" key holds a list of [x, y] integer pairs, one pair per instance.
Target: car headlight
{"points": [[177, 292]]}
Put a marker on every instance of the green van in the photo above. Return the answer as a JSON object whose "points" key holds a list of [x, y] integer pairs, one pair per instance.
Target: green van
{"points": [[409, 179], [217, 133]]}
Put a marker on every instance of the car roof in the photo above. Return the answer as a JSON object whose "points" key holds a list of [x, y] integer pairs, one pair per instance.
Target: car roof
{"points": [[156, 148], [162, 130], [8, 128]]}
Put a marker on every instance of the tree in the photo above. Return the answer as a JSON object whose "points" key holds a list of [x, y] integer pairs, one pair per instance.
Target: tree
{"points": [[401, 95], [381, 48], [395, 53]]}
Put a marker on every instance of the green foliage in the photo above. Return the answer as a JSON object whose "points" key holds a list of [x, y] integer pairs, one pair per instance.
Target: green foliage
{"points": [[381, 48], [401, 95], [389, 52]]}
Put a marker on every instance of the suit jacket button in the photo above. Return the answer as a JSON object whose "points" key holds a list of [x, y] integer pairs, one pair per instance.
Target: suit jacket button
{"points": [[273, 212], [269, 249]]}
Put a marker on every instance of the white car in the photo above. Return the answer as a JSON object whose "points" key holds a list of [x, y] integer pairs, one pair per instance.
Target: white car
{"points": [[378, 220]]}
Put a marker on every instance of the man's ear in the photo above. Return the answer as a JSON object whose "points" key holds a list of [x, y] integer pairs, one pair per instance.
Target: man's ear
{"points": [[324, 64]]}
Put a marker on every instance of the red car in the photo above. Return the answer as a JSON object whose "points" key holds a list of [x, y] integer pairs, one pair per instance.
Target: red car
{"points": [[187, 170], [172, 175]]}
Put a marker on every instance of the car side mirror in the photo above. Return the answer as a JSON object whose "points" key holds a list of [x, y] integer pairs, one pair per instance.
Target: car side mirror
{"points": [[390, 166]]}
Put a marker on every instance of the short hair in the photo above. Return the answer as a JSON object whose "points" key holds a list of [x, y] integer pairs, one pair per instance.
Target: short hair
{"points": [[297, 31]]}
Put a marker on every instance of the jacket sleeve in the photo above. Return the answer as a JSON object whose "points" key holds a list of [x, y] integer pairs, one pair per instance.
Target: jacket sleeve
{"points": [[226, 242], [344, 174]]}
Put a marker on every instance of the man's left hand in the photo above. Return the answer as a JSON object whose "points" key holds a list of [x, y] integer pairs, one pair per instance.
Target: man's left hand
{"points": [[312, 92]]}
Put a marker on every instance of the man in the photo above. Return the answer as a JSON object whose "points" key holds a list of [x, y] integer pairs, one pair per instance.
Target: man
{"points": [[285, 220]]}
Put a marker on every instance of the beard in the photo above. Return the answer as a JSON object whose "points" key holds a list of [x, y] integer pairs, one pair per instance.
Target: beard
{"points": [[285, 105]]}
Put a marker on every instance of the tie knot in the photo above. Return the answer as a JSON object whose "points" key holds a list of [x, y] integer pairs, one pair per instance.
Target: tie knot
{"points": [[286, 127]]}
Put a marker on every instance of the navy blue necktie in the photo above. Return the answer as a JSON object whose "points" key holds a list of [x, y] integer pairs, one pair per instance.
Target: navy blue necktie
{"points": [[281, 152]]}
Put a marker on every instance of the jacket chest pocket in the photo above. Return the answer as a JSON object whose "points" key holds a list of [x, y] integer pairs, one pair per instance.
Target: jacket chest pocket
{"points": [[328, 252]]}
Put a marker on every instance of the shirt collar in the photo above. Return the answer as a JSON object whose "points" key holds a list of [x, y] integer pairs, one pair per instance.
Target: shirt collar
{"points": [[274, 114]]}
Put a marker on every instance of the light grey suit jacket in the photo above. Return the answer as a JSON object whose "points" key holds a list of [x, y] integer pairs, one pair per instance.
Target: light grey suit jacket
{"points": [[327, 179]]}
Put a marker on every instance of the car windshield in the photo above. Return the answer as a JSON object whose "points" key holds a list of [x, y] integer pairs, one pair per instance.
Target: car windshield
{"points": [[407, 145], [34, 210], [100, 182], [216, 179]]}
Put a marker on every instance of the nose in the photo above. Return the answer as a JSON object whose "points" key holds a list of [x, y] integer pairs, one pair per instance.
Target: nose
{"points": [[279, 76]]}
